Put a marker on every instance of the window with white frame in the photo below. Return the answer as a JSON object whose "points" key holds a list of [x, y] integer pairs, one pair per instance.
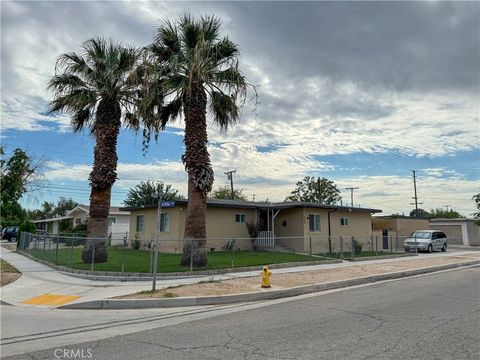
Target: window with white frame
{"points": [[344, 221], [314, 222], [239, 218], [140, 223], [165, 222]]}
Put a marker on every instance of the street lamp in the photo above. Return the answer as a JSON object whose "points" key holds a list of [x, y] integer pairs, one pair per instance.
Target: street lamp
{"points": [[159, 197]]}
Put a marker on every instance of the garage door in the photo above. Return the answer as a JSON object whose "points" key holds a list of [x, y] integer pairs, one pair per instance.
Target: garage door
{"points": [[454, 233]]}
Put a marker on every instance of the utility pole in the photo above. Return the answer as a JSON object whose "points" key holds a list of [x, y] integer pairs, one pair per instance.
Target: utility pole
{"points": [[415, 190], [446, 206], [230, 177], [253, 197], [351, 193]]}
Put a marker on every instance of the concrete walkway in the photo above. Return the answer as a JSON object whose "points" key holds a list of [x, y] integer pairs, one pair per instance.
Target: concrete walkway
{"points": [[38, 279]]}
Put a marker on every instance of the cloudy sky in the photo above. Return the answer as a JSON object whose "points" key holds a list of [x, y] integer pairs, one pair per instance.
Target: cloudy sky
{"points": [[360, 93]]}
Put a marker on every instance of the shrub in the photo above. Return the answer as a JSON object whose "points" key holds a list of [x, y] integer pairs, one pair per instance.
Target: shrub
{"points": [[136, 244], [357, 247], [28, 227]]}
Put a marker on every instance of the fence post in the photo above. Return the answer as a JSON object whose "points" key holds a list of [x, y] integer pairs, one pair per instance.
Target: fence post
{"points": [[233, 252], [151, 256], [191, 255], [391, 243], [44, 244], [310, 239], [92, 268], [376, 245], [352, 248], [72, 240], [416, 245], [123, 252], [155, 263], [56, 251], [396, 244], [341, 247]]}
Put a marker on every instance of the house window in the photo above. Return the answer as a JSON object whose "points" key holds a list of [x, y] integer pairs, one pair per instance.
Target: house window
{"points": [[111, 221], [343, 221], [314, 222], [239, 218], [165, 222], [140, 223]]}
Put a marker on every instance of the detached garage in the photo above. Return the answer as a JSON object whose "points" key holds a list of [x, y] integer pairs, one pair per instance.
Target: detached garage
{"points": [[459, 231]]}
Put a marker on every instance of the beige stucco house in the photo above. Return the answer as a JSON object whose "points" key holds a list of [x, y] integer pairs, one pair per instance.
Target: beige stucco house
{"points": [[392, 230], [292, 225], [459, 231]]}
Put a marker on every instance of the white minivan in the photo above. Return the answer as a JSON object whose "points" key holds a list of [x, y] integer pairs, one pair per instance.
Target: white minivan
{"points": [[426, 240]]}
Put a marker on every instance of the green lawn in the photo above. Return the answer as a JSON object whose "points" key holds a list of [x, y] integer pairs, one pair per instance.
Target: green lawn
{"points": [[139, 261], [347, 254], [5, 267]]}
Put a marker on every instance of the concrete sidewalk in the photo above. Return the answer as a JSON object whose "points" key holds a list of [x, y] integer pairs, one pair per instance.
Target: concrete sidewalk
{"points": [[39, 280]]}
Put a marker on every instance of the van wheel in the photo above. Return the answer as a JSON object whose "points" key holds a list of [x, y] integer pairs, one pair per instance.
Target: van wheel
{"points": [[444, 247], [430, 248]]}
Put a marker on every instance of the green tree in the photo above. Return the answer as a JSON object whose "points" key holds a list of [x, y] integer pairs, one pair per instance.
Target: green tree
{"points": [[144, 193], [315, 190], [421, 213], [53, 209], [19, 175], [441, 213], [476, 198], [193, 68], [224, 192], [98, 87]]}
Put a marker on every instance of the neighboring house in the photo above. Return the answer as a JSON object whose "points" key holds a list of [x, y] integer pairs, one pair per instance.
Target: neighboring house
{"points": [[118, 221], [394, 229], [292, 224], [459, 231]]}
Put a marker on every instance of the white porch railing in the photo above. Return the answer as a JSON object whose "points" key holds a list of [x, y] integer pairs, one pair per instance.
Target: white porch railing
{"points": [[265, 238]]}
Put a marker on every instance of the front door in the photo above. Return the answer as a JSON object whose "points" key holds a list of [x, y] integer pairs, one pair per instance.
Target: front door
{"points": [[385, 239]]}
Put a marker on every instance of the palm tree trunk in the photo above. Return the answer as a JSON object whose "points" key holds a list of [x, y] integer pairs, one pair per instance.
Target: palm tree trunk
{"points": [[200, 177], [103, 176]]}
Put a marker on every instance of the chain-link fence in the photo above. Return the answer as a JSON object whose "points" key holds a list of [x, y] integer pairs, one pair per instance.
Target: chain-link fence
{"points": [[169, 256]]}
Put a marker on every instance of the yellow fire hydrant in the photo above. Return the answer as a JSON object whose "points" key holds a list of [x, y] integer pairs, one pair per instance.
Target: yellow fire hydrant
{"points": [[266, 277]]}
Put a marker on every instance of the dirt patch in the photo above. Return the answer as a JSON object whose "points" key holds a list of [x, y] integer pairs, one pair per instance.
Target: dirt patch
{"points": [[7, 278], [8, 273], [285, 281]]}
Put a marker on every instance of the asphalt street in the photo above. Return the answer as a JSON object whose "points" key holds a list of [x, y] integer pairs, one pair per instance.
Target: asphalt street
{"points": [[434, 316]]}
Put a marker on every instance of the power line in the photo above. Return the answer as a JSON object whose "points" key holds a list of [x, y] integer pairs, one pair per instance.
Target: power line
{"points": [[230, 177], [415, 191], [351, 193]]}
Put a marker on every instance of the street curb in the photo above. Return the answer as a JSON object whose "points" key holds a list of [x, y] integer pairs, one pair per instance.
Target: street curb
{"points": [[247, 297]]}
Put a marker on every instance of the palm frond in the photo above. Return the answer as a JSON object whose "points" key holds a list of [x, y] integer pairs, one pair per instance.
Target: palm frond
{"points": [[224, 109], [73, 101], [65, 82], [210, 26]]}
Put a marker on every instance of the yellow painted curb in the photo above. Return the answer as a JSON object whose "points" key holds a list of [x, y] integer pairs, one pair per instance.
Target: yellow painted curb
{"points": [[51, 299]]}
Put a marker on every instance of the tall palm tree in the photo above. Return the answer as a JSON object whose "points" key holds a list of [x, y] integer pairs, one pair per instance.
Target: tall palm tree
{"points": [[98, 87], [192, 67]]}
